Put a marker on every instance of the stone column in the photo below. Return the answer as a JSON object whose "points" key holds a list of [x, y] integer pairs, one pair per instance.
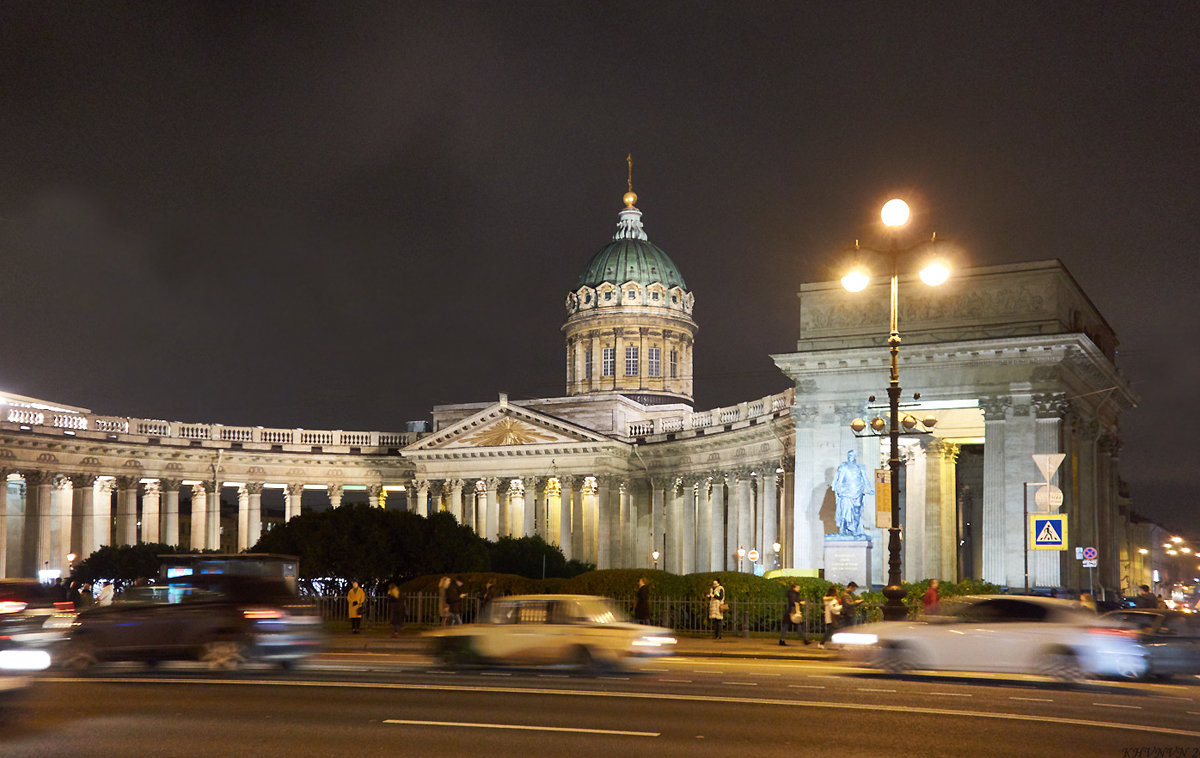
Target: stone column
{"points": [[788, 515], [605, 487], [941, 511], [151, 505], [745, 523], [199, 513], [1049, 409], [704, 526], [627, 527], [422, 497], [59, 522], [768, 498], [335, 495], [567, 486], [83, 532], [374, 491], [254, 519], [127, 509], [504, 507], [658, 520], [717, 553], [490, 528], [995, 411], [642, 511], [102, 512], [533, 487], [687, 526], [35, 550], [243, 520], [456, 499], [171, 511], [212, 523], [673, 537], [291, 501], [914, 547], [577, 522]]}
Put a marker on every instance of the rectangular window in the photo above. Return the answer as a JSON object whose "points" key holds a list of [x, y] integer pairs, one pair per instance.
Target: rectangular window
{"points": [[631, 360], [674, 364], [654, 361], [587, 363], [607, 358]]}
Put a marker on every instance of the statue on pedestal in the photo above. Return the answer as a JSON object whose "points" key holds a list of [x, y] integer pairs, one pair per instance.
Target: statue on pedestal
{"points": [[851, 483]]}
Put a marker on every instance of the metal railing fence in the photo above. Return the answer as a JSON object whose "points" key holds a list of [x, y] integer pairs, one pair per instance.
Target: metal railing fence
{"points": [[682, 615]]}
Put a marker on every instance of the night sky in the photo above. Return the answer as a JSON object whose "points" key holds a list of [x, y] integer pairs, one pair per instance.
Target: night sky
{"points": [[338, 215]]}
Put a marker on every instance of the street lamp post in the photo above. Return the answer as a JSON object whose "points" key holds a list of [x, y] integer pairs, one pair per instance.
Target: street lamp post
{"points": [[741, 553], [654, 555], [894, 215], [776, 547]]}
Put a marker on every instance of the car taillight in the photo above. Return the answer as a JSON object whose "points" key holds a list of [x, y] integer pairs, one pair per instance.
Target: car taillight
{"points": [[64, 606], [1113, 631], [12, 606], [258, 614]]}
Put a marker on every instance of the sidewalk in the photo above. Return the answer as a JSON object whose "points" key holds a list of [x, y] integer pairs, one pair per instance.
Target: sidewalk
{"points": [[380, 640]]}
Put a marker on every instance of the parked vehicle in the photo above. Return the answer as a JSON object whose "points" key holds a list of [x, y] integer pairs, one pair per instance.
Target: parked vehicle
{"points": [[579, 630], [1005, 634], [32, 622], [223, 621], [1170, 639]]}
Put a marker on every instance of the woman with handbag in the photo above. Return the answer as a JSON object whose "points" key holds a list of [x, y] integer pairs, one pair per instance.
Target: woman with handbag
{"points": [[716, 607], [793, 615], [832, 605]]}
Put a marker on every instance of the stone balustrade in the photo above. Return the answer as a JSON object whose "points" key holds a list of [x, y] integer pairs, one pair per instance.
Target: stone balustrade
{"points": [[767, 406], [81, 424]]}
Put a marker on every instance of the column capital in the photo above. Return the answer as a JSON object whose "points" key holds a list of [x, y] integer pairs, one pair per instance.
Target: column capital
{"points": [[128, 482], [153, 488], [254, 488], [995, 408], [1051, 405], [83, 480], [455, 484], [198, 490], [334, 490], [491, 483], [171, 485], [60, 481], [295, 490], [374, 490], [534, 482], [37, 477]]}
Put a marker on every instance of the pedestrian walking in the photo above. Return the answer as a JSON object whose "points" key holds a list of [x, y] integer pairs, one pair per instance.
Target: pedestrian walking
{"points": [[396, 609], [641, 605], [106, 594], [1145, 598], [793, 615], [930, 599], [716, 608], [355, 600], [485, 597], [454, 597], [831, 606], [850, 605]]}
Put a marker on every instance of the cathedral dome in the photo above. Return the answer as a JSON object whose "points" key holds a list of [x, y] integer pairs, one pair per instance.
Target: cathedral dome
{"points": [[631, 257]]}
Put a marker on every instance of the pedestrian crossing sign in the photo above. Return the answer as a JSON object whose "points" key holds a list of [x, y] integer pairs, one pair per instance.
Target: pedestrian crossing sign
{"points": [[1048, 532]]}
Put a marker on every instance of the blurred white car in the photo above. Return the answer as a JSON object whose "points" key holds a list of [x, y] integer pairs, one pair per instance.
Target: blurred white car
{"points": [[1003, 634], [578, 630]]}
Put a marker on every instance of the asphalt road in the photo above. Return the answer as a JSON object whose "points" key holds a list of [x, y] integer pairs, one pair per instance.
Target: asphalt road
{"points": [[362, 704]]}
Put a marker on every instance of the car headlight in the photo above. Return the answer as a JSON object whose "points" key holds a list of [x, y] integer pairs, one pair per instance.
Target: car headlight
{"points": [[24, 660], [659, 641], [854, 638]]}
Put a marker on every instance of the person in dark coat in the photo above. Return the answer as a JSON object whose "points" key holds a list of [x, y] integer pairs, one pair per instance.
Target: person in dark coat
{"points": [[396, 609], [793, 606], [641, 607], [454, 598]]}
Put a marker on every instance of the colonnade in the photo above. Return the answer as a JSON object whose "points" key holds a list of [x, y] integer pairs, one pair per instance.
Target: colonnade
{"points": [[695, 522]]}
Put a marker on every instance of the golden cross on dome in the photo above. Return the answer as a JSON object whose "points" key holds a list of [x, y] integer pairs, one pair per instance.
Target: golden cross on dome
{"points": [[630, 198]]}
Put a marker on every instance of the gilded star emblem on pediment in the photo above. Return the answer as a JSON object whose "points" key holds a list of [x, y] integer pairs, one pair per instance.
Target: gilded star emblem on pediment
{"points": [[508, 432]]}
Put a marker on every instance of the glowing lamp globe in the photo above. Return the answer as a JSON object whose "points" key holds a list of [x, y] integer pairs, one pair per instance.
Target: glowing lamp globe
{"points": [[894, 213]]}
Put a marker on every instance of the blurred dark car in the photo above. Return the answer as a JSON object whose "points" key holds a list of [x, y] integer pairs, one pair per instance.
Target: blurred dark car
{"points": [[220, 620], [1171, 639], [32, 622]]}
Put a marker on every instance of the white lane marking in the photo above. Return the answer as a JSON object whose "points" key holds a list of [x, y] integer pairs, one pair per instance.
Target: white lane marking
{"points": [[618, 678], [523, 727], [1115, 705], [1194, 713], [764, 673], [1033, 699], [494, 673], [952, 694], [824, 676], [668, 696], [807, 686], [554, 676], [677, 681], [708, 671], [873, 689], [657, 671], [743, 684]]}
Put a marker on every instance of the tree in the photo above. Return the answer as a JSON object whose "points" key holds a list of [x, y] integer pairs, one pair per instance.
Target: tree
{"points": [[123, 563]]}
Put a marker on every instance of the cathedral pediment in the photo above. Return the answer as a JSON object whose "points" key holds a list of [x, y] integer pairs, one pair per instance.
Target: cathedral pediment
{"points": [[504, 425]]}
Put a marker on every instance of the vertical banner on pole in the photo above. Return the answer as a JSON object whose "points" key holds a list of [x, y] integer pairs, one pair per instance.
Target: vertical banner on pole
{"points": [[883, 498]]}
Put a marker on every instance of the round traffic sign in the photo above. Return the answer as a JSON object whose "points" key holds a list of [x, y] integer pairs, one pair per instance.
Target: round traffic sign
{"points": [[753, 556], [1090, 554], [1048, 497]]}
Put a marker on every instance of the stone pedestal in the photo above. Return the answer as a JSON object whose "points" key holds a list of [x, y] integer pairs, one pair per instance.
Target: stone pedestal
{"points": [[848, 559]]}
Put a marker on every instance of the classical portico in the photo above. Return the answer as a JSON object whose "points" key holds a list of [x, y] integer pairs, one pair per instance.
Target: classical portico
{"points": [[1013, 361]]}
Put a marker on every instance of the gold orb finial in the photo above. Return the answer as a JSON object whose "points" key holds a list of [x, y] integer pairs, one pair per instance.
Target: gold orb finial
{"points": [[629, 198]]}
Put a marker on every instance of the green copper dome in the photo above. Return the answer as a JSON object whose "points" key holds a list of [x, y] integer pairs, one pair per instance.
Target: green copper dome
{"points": [[631, 257]]}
